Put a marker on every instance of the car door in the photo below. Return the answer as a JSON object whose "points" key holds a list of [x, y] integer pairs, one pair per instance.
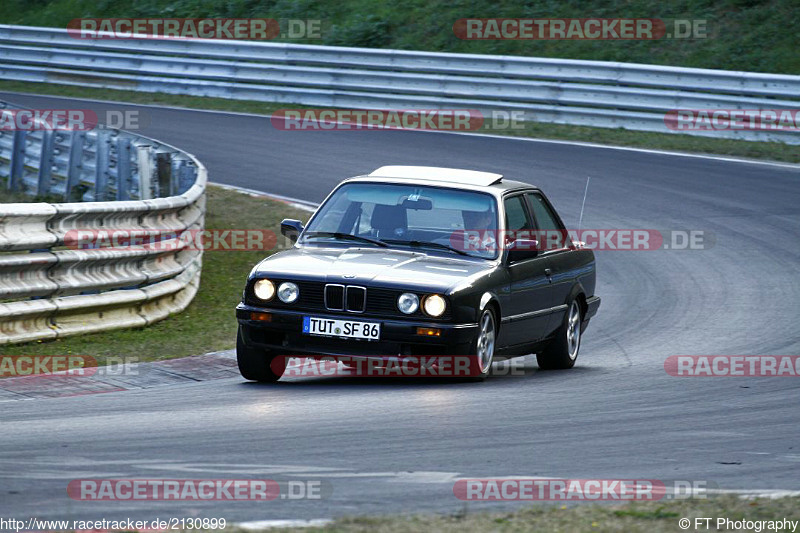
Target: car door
{"points": [[525, 320], [562, 262]]}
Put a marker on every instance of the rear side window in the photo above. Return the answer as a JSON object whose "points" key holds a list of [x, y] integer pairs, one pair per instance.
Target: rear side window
{"points": [[516, 215], [546, 222]]}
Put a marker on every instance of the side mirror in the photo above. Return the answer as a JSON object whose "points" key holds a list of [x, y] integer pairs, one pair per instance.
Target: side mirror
{"points": [[291, 228], [521, 249]]}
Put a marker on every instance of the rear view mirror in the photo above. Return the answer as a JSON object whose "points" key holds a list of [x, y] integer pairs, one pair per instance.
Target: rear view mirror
{"points": [[423, 204], [291, 228]]}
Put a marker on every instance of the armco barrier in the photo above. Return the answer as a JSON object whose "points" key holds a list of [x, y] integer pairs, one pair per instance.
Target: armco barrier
{"points": [[50, 290], [587, 93]]}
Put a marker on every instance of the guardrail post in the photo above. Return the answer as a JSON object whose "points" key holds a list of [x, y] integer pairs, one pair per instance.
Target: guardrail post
{"points": [[174, 177], [145, 172], [101, 166], [17, 160], [123, 168], [75, 164], [175, 182], [45, 163], [163, 174], [187, 174]]}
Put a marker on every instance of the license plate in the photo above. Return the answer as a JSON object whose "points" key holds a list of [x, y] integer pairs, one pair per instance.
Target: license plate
{"points": [[350, 329]]}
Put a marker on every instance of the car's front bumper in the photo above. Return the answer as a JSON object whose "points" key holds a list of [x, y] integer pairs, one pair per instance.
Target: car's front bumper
{"points": [[283, 333]]}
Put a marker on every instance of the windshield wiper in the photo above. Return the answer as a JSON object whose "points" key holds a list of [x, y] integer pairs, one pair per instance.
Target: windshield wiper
{"points": [[345, 237], [420, 244]]}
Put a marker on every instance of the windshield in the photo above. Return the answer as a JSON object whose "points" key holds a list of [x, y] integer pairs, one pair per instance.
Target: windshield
{"points": [[418, 216]]}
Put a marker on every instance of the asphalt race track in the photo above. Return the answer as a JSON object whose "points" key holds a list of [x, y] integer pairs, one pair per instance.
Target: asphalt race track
{"points": [[398, 446]]}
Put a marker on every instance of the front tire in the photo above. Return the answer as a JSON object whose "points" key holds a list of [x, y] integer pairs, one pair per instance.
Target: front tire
{"points": [[484, 344], [562, 352], [256, 364]]}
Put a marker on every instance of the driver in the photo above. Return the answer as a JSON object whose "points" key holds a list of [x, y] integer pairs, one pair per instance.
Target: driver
{"points": [[479, 228]]}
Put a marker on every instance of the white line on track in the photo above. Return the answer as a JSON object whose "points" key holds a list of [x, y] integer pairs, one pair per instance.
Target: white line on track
{"points": [[294, 202]]}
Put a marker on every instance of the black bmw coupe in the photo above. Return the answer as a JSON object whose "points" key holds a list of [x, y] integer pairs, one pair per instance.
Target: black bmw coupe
{"points": [[412, 261]]}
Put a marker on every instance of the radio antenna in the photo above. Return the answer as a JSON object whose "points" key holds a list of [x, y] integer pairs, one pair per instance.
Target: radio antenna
{"points": [[580, 219]]}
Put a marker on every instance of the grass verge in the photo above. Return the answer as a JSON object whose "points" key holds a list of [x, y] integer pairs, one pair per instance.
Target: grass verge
{"points": [[641, 517], [209, 323], [616, 137]]}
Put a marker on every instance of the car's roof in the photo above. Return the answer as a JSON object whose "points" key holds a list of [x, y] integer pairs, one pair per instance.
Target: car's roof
{"points": [[453, 177], [450, 175]]}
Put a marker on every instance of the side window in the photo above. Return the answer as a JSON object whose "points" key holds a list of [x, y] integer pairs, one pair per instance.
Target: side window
{"points": [[546, 222], [517, 217]]}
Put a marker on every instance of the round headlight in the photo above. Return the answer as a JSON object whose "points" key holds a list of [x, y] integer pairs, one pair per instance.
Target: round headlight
{"points": [[264, 289], [408, 303], [434, 305], [288, 292]]}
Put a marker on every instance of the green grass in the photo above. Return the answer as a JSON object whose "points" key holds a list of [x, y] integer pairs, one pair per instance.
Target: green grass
{"points": [[618, 137], [650, 517], [755, 35], [209, 323]]}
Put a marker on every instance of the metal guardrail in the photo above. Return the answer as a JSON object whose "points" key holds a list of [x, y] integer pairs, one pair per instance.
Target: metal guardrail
{"points": [[51, 288], [588, 93]]}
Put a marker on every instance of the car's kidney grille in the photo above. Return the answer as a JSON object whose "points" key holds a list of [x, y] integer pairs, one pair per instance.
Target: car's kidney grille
{"points": [[334, 297], [356, 299]]}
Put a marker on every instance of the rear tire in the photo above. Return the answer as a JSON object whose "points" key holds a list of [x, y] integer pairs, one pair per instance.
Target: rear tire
{"points": [[562, 352], [256, 364]]}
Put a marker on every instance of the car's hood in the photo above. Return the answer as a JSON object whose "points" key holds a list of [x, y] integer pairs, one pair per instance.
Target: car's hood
{"points": [[373, 266]]}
